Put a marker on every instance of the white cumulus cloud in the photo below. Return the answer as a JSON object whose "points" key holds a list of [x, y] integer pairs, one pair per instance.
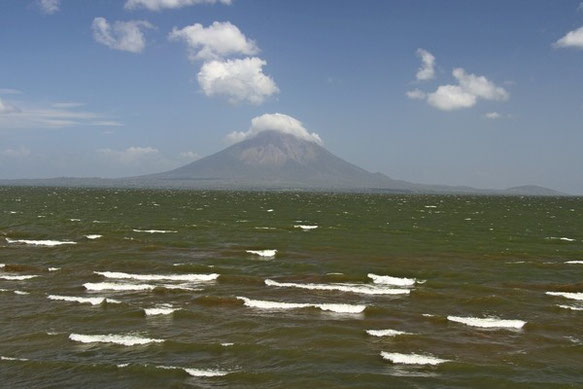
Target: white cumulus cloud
{"points": [[427, 69], [479, 86], [125, 36], [49, 6], [157, 5], [239, 80], [450, 97], [572, 39], [219, 40], [465, 94], [492, 115], [275, 122], [416, 94]]}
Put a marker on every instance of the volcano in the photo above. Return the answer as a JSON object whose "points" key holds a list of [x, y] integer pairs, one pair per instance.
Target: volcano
{"points": [[275, 160]]}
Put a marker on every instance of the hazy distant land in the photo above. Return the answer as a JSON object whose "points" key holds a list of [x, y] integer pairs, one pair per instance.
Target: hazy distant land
{"points": [[275, 161]]}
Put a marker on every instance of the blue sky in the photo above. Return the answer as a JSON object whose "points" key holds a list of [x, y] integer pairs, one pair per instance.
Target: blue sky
{"points": [[122, 87]]}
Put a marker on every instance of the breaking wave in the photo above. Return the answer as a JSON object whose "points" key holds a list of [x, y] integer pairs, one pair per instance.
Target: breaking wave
{"points": [[156, 231], [352, 288], [572, 296], [487, 322], [572, 308], [274, 305], [197, 372], [381, 333], [388, 280], [263, 253], [16, 278], [84, 300], [46, 243], [412, 359], [164, 309], [159, 277], [124, 340], [305, 227]]}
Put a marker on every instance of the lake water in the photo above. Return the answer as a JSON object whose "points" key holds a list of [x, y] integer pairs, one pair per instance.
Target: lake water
{"points": [[138, 288]]}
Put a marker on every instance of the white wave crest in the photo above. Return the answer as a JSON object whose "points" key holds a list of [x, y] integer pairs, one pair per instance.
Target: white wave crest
{"points": [[274, 305], [134, 287], [305, 227], [20, 292], [116, 286], [262, 253], [388, 280], [572, 308], [124, 340], [381, 333], [572, 296], [351, 288], [565, 239], [54, 268], [46, 243], [159, 277], [197, 372], [84, 300], [94, 236], [412, 359], [488, 322], [156, 231], [16, 278], [574, 262], [3, 358], [164, 309]]}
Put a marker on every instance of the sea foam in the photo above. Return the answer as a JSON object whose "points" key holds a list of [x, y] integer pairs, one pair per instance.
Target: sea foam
{"points": [[124, 340], [388, 280], [489, 322], [565, 239], [3, 358], [387, 332], [274, 305], [159, 277], [412, 359], [156, 231], [197, 372], [83, 300], [263, 253], [574, 262], [164, 309], [46, 243], [305, 227], [572, 296], [351, 288], [117, 286], [572, 308], [93, 236], [16, 278], [133, 287]]}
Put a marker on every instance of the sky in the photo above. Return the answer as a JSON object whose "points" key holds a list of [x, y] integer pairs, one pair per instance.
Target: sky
{"points": [[481, 93]]}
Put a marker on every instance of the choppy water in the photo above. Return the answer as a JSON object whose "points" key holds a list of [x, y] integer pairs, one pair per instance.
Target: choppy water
{"points": [[115, 288]]}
